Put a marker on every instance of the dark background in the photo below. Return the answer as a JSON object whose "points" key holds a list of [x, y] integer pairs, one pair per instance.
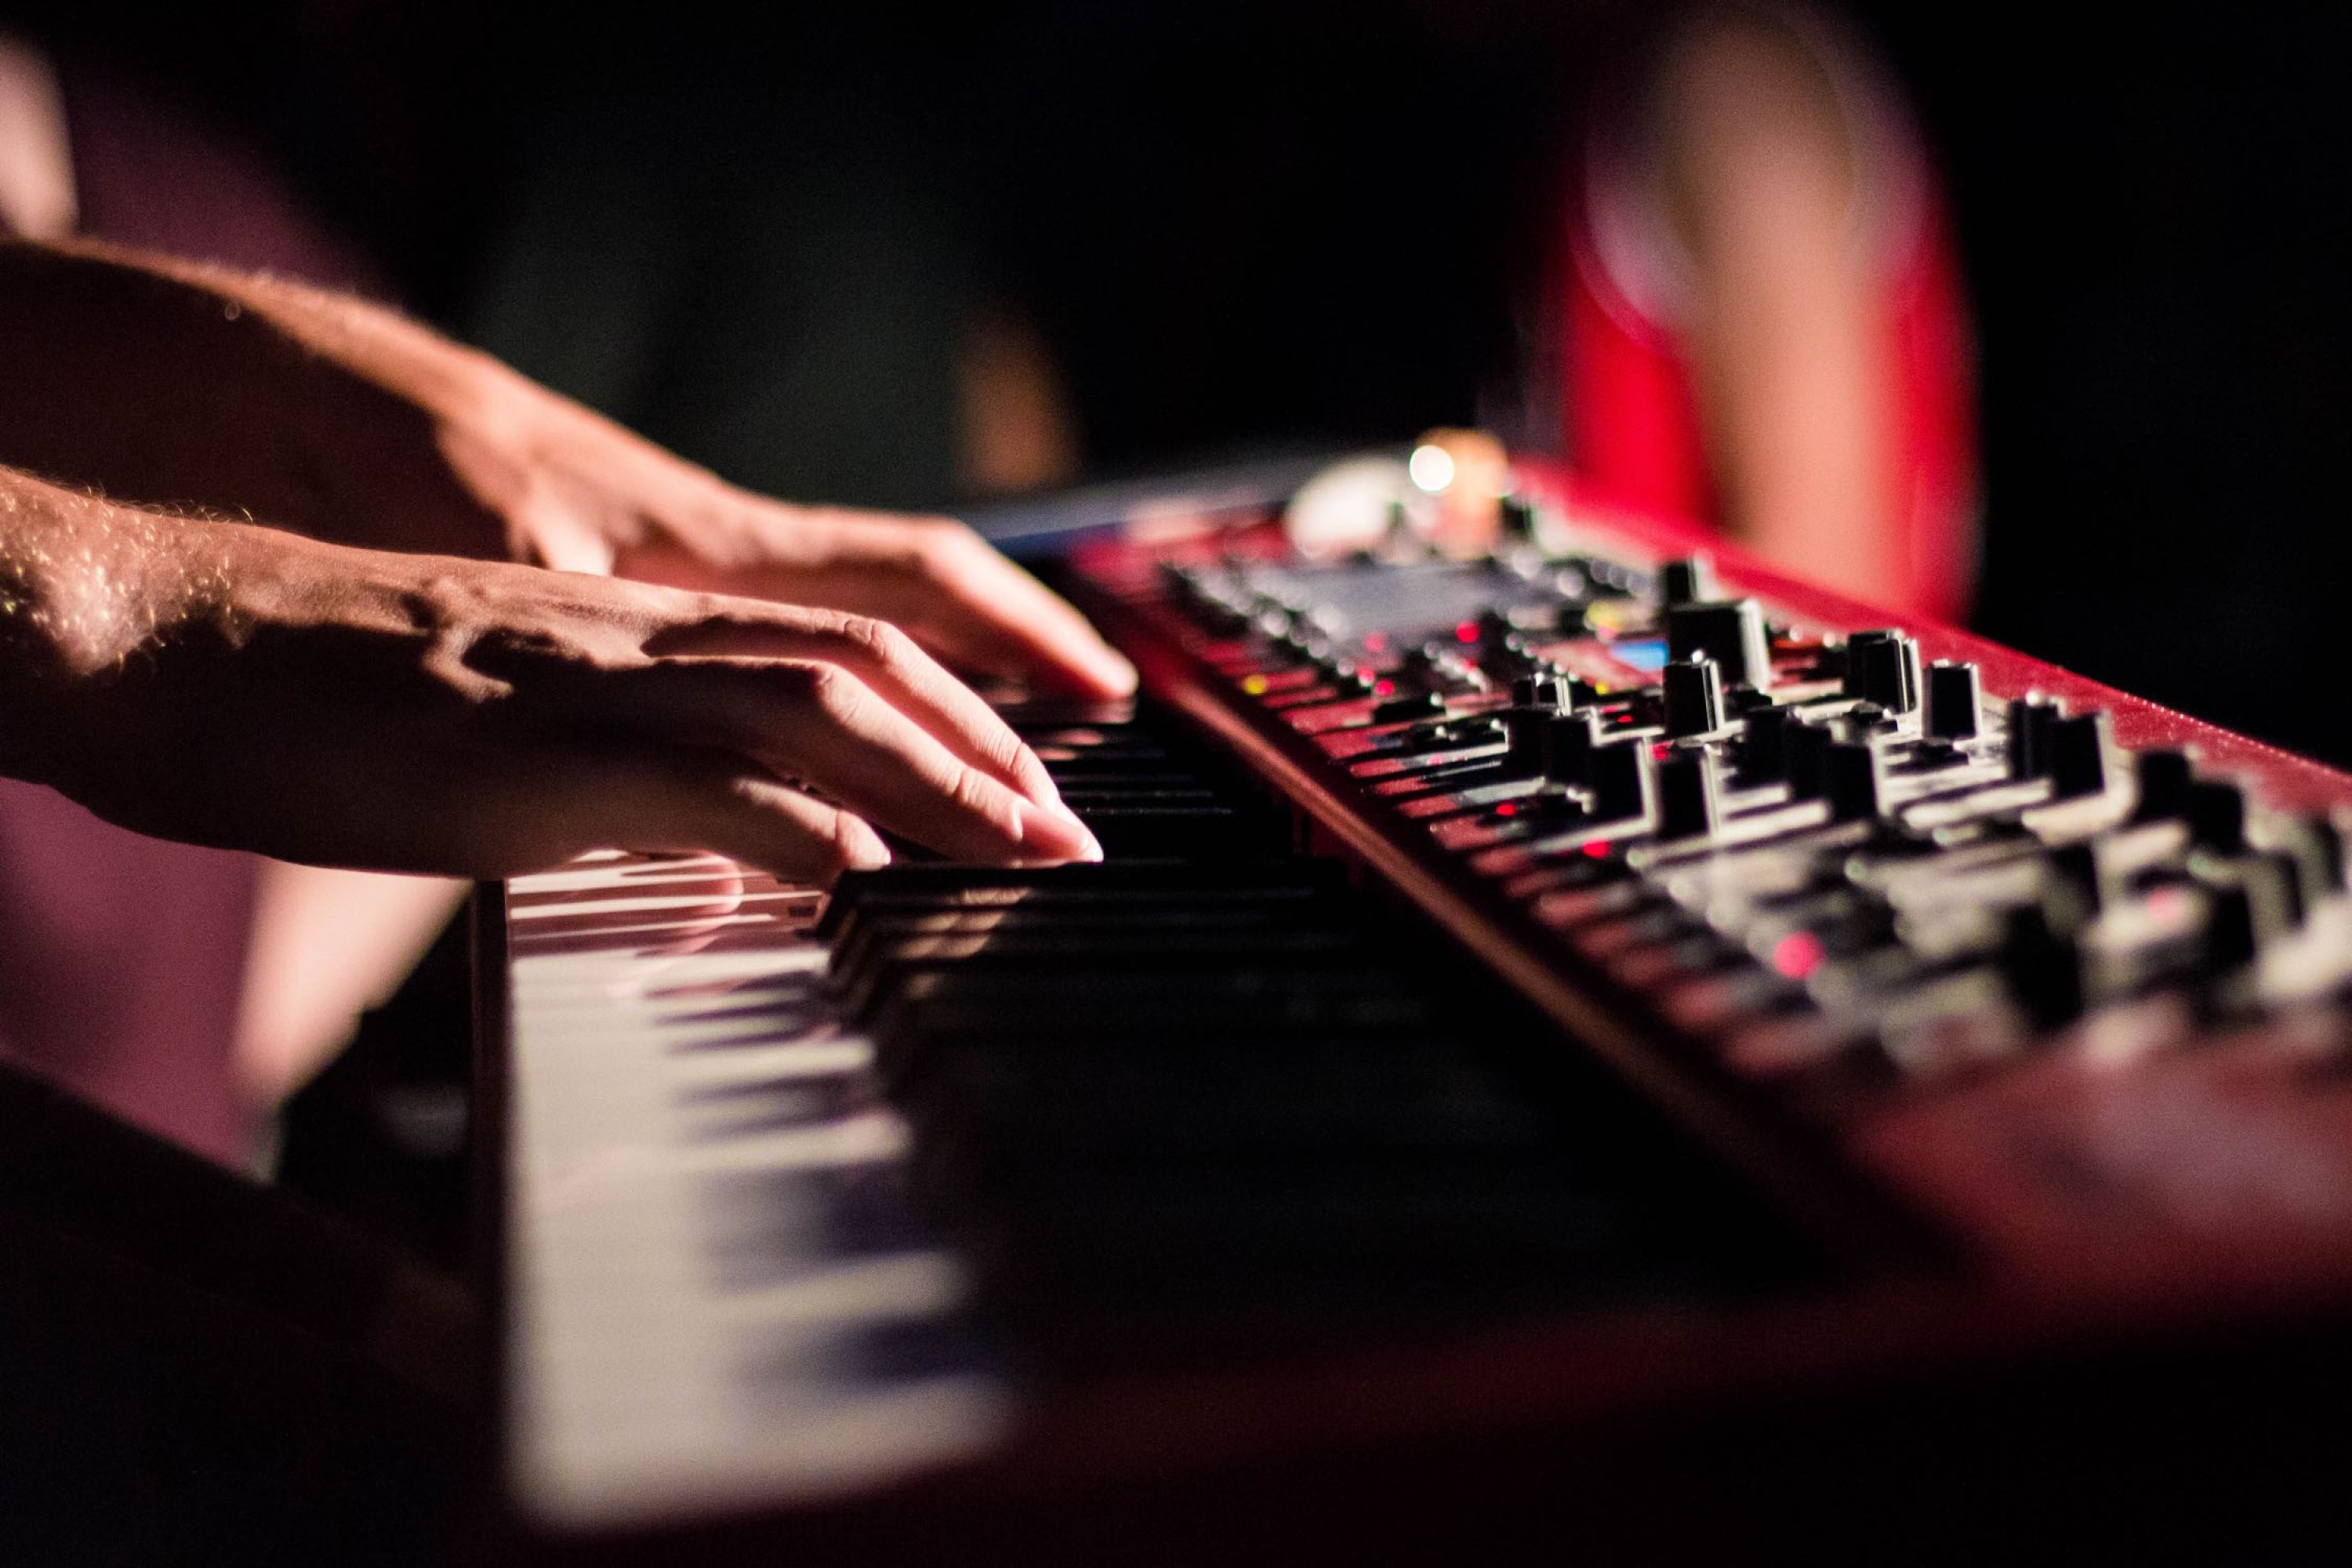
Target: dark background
{"points": [[1268, 224]]}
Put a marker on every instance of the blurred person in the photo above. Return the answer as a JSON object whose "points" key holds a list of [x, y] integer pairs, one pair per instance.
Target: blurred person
{"points": [[1699, 245], [1764, 321]]}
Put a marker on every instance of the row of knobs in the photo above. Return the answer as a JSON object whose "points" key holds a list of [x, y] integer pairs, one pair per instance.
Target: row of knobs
{"points": [[1714, 707], [1713, 686]]}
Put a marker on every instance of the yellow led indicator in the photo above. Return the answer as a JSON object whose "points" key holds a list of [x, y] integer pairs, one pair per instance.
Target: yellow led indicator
{"points": [[1255, 684]]}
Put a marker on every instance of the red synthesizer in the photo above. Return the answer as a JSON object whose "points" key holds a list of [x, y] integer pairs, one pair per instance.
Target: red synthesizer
{"points": [[1578, 1045]]}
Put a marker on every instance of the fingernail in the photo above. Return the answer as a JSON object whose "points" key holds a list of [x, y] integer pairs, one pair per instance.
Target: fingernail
{"points": [[1117, 674], [1060, 836]]}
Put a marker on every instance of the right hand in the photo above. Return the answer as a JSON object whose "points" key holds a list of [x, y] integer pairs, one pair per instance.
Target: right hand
{"points": [[245, 687]]}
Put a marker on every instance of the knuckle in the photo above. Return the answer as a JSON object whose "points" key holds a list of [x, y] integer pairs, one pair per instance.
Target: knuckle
{"points": [[940, 543], [849, 838], [844, 843], [1024, 763], [976, 792], [835, 692], [878, 640]]}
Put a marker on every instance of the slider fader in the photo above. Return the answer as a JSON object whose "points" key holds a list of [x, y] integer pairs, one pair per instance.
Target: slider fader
{"points": [[1993, 936]]}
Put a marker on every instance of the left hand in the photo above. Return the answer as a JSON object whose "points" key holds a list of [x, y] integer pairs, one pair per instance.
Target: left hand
{"points": [[191, 386], [578, 491]]}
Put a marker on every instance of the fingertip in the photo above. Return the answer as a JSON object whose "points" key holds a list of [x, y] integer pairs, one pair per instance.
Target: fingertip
{"points": [[1057, 834], [1104, 672], [1119, 676], [862, 848]]}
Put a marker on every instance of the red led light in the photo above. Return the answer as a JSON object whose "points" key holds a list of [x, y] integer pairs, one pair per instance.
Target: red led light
{"points": [[1466, 632], [1797, 955], [1508, 808], [1598, 849], [1383, 688]]}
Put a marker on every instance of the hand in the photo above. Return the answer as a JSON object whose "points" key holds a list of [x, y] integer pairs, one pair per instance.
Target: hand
{"points": [[249, 689], [197, 388], [579, 491]]}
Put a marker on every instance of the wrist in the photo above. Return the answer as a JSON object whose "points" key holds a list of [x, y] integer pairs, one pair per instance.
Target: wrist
{"points": [[79, 600]]}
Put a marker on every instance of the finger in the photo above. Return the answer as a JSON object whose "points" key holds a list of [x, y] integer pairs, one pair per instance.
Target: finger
{"points": [[819, 723], [980, 600], [691, 800], [938, 580], [885, 658]]}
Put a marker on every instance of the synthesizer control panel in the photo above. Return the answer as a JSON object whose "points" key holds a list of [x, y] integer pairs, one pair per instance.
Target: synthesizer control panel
{"points": [[2060, 974], [1569, 996]]}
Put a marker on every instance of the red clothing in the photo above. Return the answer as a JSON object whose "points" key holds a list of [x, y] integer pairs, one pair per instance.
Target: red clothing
{"points": [[1631, 413]]}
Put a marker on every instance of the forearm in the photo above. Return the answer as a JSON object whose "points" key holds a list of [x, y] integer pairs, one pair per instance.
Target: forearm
{"points": [[74, 572], [197, 390], [178, 385], [1765, 186]]}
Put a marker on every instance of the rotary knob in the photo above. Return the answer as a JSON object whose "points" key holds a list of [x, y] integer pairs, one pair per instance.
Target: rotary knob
{"points": [[1955, 702], [1854, 780], [1730, 633], [1624, 780], [1690, 796], [1883, 668], [1687, 581], [1693, 693]]}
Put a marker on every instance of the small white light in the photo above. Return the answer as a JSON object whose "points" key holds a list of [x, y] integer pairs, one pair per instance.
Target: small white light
{"points": [[1431, 468]]}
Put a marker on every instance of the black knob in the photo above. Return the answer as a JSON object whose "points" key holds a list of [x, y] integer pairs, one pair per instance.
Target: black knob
{"points": [[2311, 847], [2031, 718], [1567, 744], [1883, 668], [2039, 961], [2086, 872], [1690, 800], [1955, 700], [1689, 581], [1732, 634], [1854, 779], [1541, 690], [2217, 815], [1623, 779], [1526, 726], [2079, 748], [1693, 696], [2254, 904], [2164, 776], [1763, 751], [1804, 755], [1411, 705]]}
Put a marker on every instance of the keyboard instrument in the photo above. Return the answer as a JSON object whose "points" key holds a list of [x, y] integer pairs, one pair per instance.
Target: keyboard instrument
{"points": [[1550, 1017]]}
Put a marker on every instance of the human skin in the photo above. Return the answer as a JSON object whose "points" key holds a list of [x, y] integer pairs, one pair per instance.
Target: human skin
{"points": [[195, 388], [1764, 185], [242, 686], [194, 392]]}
